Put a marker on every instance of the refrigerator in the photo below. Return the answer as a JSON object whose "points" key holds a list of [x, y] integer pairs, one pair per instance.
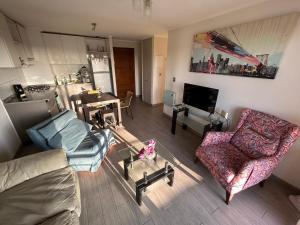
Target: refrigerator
{"points": [[101, 72]]}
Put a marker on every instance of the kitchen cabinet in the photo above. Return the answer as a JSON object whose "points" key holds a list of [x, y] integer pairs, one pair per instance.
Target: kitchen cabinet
{"points": [[13, 29], [37, 107], [65, 49], [81, 48], [54, 49], [70, 49], [15, 47], [9, 56], [25, 43]]}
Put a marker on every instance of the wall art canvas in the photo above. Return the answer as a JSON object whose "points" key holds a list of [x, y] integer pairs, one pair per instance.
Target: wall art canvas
{"points": [[251, 50]]}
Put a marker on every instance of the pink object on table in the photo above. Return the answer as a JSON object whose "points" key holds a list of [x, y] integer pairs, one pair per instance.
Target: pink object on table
{"points": [[148, 150]]}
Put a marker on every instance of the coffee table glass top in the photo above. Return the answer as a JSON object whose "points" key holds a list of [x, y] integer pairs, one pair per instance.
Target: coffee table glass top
{"points": [[137, 167]]}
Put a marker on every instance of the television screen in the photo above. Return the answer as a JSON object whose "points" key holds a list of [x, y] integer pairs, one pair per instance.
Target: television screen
{"points": [[200, 97]]}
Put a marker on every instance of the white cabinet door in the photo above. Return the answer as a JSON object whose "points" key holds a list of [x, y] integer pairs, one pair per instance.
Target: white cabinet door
{"points": [[13, 29], [9, 56], [25, 42], [54, 47], [5, 59], [81, 48], [74, 49], [70, 49]]}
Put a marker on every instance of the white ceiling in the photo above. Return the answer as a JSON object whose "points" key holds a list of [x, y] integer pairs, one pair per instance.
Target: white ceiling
{"points": [[116, 17]]}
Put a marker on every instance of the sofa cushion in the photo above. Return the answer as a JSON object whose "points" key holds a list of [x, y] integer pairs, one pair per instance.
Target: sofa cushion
{"points": [[70, 136], [36, 136], [64, 218], [37, 199], [56, 125], [254, 144], [17, 171], [223, 160]]}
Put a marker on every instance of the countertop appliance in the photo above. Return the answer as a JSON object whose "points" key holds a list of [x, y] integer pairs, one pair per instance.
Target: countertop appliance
{"points": [[20, 93]]}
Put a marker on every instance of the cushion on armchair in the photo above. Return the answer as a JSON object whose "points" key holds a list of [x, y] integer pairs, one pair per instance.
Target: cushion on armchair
{"points": [[260, 134], [254, 144], [224, 160]]}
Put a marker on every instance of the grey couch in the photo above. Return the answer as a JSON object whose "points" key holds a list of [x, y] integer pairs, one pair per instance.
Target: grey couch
{"points": [[85, 148], [39, 189]]}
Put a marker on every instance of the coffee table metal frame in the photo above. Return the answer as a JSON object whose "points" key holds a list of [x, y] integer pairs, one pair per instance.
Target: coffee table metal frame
{"points": [[147, 180]]}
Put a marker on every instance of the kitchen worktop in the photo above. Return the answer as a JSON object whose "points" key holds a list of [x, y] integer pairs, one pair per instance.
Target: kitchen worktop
{"points": [[33, 96]]}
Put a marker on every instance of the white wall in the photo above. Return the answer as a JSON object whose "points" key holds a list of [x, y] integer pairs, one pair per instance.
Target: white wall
{"points": [[279, 97], [137, 60], [9, 139], [40, 72]]}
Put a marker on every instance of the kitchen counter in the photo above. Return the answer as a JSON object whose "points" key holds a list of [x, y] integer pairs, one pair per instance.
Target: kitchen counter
{"points": [[33, 96]]}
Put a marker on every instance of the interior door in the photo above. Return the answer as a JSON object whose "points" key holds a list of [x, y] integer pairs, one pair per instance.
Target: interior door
{"points": [[124, 67], [158, 79]]}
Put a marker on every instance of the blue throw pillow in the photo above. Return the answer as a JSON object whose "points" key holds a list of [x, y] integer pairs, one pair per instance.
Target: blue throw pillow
{"points": [[53, 127], [70, 137]]}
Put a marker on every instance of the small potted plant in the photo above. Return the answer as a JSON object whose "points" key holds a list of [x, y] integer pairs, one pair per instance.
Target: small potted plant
{"points": [[148, 152]]}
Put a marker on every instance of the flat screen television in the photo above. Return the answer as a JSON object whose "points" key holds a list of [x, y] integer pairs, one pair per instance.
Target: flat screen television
{"points": [[204, 98]]}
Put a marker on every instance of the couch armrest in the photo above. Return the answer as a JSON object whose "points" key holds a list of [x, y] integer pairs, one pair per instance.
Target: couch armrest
{"points": [[253, 172], [19, 170], [213, 138]]}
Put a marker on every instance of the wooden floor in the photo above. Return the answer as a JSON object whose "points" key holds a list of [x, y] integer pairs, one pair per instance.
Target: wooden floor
{"points": [[196, 198]]}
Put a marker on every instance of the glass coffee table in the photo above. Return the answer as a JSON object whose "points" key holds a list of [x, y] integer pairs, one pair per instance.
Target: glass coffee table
{"points": [[143, 173]]}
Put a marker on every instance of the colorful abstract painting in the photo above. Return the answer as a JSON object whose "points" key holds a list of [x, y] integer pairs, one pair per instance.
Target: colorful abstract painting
{"points": [[251, 50]]}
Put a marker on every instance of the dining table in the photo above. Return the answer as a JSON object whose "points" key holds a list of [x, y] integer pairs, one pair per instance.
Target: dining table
{"points": [[93, 102]]}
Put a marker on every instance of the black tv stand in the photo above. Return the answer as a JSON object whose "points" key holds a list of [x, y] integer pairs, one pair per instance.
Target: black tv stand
{"points": [[177, 109], [186, 122]]}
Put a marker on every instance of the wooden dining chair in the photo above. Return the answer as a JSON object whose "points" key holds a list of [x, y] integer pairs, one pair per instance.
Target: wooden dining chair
{"points": [[126, 103]]}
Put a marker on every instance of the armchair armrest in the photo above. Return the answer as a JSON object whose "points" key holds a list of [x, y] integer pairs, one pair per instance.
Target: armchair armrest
{"points": [[253, 172], [19, 170], [213, 138]]}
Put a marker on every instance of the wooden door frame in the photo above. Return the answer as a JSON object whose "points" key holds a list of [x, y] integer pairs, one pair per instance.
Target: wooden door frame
{"points": [[134, 67]]}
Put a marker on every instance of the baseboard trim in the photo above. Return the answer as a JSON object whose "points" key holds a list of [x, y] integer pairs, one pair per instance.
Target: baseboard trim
{"points": [[158, 104], [293, 188]]}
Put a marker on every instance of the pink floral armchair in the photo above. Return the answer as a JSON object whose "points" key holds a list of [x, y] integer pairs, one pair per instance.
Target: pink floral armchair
{"points": [[248, 155]]}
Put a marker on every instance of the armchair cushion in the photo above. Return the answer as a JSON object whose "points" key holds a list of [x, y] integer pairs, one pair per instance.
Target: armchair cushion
{"points": [[214, 138], [254, 144], [223, 160]]}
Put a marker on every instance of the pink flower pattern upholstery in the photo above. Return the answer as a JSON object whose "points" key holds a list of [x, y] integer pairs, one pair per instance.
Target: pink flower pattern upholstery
{"points": [[232, 161], [254, 144], [247, 156]]}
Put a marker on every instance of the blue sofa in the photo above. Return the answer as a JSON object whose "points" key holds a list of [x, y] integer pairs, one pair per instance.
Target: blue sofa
{"points": [[84, 147]]}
